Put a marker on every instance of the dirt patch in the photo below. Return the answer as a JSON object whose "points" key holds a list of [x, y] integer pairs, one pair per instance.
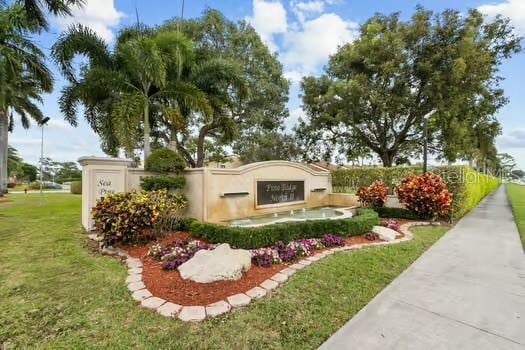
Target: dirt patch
{"points": [[4, 200], [170, 286]]}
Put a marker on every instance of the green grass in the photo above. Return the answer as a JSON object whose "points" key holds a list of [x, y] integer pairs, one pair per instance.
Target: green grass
{"points": [[54, 294], [517, 200]]}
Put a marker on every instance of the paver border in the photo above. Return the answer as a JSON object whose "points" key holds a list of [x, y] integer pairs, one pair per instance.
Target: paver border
{"points": [[147, 300]]}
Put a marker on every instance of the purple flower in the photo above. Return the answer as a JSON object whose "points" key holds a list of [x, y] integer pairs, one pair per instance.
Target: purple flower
{"points": [[330, 240]]}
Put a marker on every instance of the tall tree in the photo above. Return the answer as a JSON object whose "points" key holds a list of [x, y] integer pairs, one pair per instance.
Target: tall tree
{"points": [[268, 146], [36, 10], [242, 80], [23, 78], [121, 89], [377, 89]]}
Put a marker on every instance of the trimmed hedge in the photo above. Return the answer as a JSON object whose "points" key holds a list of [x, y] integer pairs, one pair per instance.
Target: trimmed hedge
{"points": [[76, 187], [396, 213], [468, 187], [349, 180], [153, 183], [163, 161], [264, 236]]}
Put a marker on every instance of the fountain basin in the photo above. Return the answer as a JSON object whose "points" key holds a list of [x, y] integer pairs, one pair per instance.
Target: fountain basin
{"points": [[322, 213]]}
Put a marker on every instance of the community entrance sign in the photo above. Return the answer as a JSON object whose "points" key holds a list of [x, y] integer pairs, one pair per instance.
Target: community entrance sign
{"points": [[277, 191]]}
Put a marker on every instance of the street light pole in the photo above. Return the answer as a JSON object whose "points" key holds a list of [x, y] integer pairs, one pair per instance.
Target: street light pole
{"points": [[425, 139], [42, 123]]}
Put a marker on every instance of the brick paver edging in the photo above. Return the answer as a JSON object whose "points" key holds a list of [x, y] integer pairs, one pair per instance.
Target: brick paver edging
{"points": [[147, 300]]}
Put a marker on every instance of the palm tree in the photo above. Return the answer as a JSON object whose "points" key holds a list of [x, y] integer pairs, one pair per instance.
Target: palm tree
{"points": [[120, 89], [35, 10], [23, 78]]}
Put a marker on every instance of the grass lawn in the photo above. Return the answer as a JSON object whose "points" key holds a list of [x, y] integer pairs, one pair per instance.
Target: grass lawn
{"points": [[54, 294], [517, 199]]}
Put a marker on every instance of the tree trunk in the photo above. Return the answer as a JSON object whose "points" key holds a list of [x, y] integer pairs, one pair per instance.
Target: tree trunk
{"points": [[147, 131], [4, 133], [200, 147], [387, 157], [177, 147]]}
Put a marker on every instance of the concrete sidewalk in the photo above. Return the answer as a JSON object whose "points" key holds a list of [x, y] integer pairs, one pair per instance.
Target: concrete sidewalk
{"points": [[466, 292]]}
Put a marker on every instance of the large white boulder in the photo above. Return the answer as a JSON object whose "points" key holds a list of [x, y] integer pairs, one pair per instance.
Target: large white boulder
{"points": [[221, 263], [385, 233]]}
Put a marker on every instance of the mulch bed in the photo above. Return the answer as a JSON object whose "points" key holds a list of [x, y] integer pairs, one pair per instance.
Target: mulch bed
{"points": [[170, 286]]}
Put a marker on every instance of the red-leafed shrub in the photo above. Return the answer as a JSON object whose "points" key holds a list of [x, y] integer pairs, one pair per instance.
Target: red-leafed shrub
{"points": [[425, 195], [373, 196]]}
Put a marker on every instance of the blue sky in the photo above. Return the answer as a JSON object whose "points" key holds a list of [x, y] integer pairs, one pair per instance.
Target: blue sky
{"points": [[303, 33]]}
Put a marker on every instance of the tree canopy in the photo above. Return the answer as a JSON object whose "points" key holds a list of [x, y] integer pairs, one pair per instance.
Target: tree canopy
{"points": [[187, 81], [377, 89]]}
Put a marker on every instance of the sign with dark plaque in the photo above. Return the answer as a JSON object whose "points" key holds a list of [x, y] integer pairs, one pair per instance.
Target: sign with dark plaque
{"points": [[277, 191]]}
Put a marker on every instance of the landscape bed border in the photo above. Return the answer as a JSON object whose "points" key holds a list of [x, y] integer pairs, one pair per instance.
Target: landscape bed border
{"points": [[193, 313]]}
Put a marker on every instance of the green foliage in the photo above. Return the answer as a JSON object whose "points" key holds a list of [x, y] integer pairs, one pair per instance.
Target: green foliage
{"points": [[265, 146], [265, 236], [172, 222], [516, 194], [36, 186], [164, 161], [170, 183], [301, 315], [76, 187], [378, 88], [131, 216], [468, 187], [349, 180], [396, 213]]}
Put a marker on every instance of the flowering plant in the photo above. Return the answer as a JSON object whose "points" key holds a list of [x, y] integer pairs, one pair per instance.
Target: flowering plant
{"points": [[265, 257], [286, 252], [426, 195], [391, 224], [371, 236], [373, 196], [330, 240], [177, 252]]}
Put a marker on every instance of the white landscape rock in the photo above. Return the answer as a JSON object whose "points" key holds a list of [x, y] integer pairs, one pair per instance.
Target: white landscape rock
{"points": [[385, 233], [219, 264]]}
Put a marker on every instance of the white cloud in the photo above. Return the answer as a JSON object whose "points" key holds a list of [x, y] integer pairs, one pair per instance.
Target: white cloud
{"points": [[309, 47], [99, 15], [513, 9], [293, 119], [513, 139], [305, 9], [269, 18], [58, 124]]}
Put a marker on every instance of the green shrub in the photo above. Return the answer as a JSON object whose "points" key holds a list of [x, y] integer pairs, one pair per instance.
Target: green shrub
{"points": [[153, 183], [264, 236], [468, 187], [76, 187], [165, 161], [349, 180], [36, 186], [172, 222], [397, 213], [131, 216]]}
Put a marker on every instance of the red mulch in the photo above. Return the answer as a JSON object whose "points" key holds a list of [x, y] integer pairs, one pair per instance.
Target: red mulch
{"points": [[170, 286]]}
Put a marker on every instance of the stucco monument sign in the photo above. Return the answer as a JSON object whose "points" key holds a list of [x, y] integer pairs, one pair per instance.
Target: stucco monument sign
{"points": [[216, 194]]}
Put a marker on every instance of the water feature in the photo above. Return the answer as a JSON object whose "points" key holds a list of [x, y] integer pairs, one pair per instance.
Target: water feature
{"points": [[304, 214]]}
